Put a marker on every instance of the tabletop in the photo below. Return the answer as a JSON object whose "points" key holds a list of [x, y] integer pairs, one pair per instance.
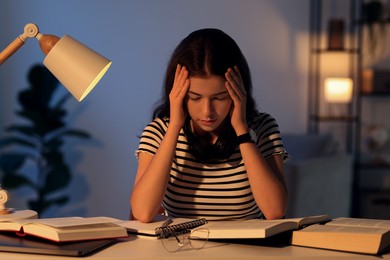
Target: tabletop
{"points": [[150, 248]]}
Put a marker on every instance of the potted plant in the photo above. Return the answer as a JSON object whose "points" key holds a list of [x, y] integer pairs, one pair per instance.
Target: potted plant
{"points": [[374, 17], [39, 140]]}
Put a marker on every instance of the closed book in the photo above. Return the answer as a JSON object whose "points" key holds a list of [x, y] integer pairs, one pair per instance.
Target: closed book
{"points": [[367, 236]]}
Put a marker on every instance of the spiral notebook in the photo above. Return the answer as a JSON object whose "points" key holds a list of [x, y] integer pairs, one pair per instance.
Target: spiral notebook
{"points": [[156, 228]]}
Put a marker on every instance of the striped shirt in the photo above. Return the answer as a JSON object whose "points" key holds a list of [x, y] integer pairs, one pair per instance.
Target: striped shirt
{"points": [[218, 190]]}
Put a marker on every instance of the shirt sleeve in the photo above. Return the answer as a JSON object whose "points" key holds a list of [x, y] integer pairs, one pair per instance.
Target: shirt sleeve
{"points": [[152, 136], [269, 138]]}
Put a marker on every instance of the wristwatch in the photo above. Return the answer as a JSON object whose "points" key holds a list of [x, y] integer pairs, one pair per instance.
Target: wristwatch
{"points": [[250, 137]]}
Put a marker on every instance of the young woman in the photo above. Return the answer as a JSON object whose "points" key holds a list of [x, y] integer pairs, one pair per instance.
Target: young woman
{"points": [[208, 152]]}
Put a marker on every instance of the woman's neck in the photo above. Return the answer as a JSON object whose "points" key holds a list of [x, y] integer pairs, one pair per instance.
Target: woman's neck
{"points": [[212, 137]]}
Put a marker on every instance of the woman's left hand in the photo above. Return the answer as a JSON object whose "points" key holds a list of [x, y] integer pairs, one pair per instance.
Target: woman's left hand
{"points": [[235, 87]]}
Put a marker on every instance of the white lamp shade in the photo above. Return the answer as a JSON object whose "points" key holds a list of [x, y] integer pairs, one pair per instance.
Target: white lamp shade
{"points": [[338, 90], [76, 66]]}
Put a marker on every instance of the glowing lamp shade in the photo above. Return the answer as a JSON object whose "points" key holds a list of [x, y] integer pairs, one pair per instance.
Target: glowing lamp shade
{"points": [[76, 66], [338, 90]]}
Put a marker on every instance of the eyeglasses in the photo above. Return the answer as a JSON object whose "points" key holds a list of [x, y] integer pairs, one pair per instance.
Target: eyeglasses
{"points": [[196, 239]]}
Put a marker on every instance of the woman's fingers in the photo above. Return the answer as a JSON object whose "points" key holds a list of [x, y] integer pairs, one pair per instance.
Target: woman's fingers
{"points": [[235, 84], [177, 95], [181, 80]]}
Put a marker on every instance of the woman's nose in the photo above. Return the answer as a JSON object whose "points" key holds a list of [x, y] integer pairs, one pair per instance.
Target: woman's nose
{"points": [[208, 107]]}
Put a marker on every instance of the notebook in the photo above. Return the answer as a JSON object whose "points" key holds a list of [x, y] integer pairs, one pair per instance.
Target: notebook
{"points": [[17, 244], [157, 228]]}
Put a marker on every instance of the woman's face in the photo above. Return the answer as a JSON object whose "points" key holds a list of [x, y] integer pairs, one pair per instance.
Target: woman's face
{"points": [[208, 103]]}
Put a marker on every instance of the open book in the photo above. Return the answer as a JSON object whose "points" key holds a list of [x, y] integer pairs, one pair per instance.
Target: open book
{"points": [[65, 229], [254, 228], [237, 229], [369, 236]]}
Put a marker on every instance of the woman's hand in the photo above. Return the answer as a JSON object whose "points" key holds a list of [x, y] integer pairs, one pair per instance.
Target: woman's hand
{"points": [[176, 97], [235, 87]]}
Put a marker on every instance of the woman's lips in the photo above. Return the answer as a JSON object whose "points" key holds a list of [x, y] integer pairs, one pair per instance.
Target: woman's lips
{"points": [[207, 122]]}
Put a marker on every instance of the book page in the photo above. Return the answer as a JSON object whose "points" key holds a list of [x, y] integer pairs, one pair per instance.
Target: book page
{"points": [[361, 222], [69, 221], [343, 229], [302, 221], [249, 224], [251, 228]]}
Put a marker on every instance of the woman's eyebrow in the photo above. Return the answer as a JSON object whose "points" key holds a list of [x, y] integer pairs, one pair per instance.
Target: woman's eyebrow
{"points": [[217, 94], [193, 93]]}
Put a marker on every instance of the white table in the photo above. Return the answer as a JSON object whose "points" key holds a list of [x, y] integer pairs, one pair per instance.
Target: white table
{"points": [[148, 248]]}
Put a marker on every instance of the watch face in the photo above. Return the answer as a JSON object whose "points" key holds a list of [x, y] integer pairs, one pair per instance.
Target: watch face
{"points": [[253, 135]]}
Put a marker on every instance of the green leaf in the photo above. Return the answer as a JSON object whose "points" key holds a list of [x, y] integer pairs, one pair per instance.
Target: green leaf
{"points": [[56, 139], [41, 205], [37, 206], [60, 201], [77, 133], [13, 181], [12, 161], [31, 115], [58, 177], [26, 130], [45, 120], [54, 158], [62, 101], [54, 143], [16, 141]]}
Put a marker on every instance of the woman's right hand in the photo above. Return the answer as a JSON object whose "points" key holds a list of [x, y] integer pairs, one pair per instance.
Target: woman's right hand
{"points": [[176, 96], [153, 171]]}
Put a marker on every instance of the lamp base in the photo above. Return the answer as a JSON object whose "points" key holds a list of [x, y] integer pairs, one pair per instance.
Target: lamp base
{"points": [[10, 214], [6, 211]]}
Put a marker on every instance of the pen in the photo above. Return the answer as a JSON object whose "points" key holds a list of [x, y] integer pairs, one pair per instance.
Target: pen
{"points": [[165, 224]]}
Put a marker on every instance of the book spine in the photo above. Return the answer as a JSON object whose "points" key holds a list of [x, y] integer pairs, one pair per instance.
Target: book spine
{"points": [[178, 229]]}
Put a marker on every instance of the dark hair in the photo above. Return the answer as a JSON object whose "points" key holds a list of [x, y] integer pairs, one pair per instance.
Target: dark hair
{"points": [[204, 53]]}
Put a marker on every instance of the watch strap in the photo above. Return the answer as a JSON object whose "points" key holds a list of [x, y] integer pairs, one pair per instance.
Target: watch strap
{"points": [[245, 138]]}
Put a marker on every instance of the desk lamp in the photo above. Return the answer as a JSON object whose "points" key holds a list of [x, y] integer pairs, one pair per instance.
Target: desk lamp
{"points": [[75, 65]]}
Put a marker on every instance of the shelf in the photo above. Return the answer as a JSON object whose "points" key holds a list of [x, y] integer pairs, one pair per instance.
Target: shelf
{"points": [[346, 50], [345, 119], [373, 166], [379, 190], [375, 94]]}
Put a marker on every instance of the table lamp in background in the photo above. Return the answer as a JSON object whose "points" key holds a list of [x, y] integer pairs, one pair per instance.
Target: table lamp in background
{"points": [[338, 93], [338, 90]]}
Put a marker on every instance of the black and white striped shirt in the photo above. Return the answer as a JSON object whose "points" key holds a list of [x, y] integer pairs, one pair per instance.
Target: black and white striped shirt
{"points": [[218, 190]]}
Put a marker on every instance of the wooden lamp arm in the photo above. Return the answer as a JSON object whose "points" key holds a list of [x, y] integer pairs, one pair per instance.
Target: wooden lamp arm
{"points": [[30, 30], [10, 49]]}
